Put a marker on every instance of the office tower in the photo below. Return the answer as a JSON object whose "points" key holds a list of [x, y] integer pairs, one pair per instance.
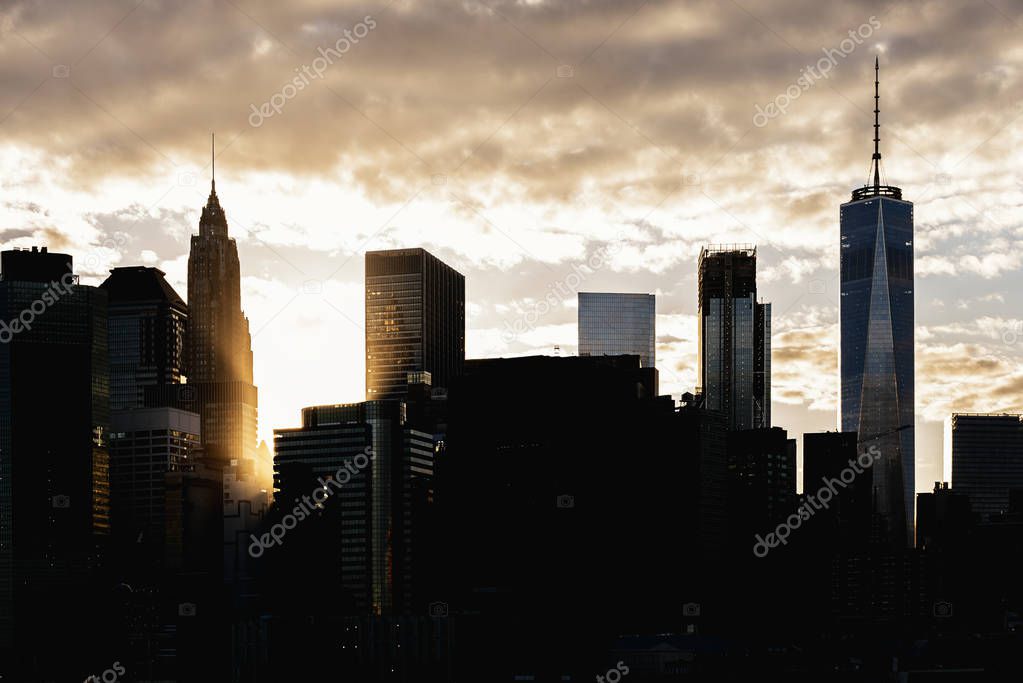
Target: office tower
{"points": [[735, 337], [876, 355], [378, 472], [546, 455], [985, 453], [54, 478], [762, 482], [618, 324], [845, 523], [944, 519], [145, 445], [147, 322], [219, 356], [415, 320]]}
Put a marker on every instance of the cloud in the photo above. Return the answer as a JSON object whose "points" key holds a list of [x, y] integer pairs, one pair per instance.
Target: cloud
{"points": [[455, 126]]}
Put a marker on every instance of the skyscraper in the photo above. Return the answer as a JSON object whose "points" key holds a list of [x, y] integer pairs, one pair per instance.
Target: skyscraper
{"points": [[218, 358], [735, 337], [146, 444], [54, 464], [381, 470], [415, 320], [876, 353], [985, 453], [147, 322], [618, 324]]}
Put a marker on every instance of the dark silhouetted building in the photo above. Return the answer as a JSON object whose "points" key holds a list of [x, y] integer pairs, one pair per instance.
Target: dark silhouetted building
{"points": [[944, 518], [985, 453], [762, 482], [145, 445], [376, 505], [54, 463], [568, 512], [845, 522], [735, 337], [147, 322], [877, 364], [612, 324], [415, 320]]}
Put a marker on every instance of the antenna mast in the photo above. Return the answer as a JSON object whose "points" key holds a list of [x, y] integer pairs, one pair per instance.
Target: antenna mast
{"points": [[877, 126]]}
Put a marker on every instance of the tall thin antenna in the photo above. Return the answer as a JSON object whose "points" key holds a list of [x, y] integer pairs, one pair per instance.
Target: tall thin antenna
{"points": [[877, 124], [213, 162]]}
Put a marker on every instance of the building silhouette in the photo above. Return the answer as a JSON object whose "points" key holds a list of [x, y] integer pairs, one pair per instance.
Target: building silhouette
{"points": [[877, 364], [415, 321], [613, 324], [145, 445], [735, 337], [985, 453], [567, 512], [54, 462], [378, 472], [147, 321]]}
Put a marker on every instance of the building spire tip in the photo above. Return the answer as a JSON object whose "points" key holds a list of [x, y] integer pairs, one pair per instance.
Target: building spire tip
{"points": [[213, 162]]}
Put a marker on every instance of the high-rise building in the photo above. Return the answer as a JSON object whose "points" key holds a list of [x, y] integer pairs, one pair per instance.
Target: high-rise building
{"points": [[876, 356], [145, 445], [147, 322], [944, 518], [545, 455], [985, 453], [846, 522], [219, 347], [377, 471], [761, 482], [415, 320], [219, 355], [613, 324], [735, 337], [54, 466]]}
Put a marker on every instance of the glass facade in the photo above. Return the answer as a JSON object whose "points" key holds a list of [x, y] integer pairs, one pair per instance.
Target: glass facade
{"points": [[987, 459], [618, 324], [415, 321], [378, 509], [146, 329], [876, 350], [735, 338], [146, 444]]}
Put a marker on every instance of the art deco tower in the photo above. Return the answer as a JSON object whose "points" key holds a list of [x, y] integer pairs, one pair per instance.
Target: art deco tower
{"points": [[877, 341], [218, 350], [219, 347]]}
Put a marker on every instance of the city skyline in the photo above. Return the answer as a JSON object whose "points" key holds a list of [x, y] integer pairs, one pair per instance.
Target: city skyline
{"points": [[300, 256], [344, 341]]}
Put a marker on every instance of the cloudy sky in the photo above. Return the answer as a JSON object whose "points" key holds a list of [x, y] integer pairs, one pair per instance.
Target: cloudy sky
{"points": [[517, 140]]}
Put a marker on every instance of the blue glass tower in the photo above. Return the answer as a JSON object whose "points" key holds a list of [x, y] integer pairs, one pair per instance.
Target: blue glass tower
{"points": [[877, 364]]}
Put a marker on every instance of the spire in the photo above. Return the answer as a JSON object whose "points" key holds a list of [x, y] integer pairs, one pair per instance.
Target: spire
{"points": [[873, 186], [212, 213], [877, 125], [213, 164]]}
